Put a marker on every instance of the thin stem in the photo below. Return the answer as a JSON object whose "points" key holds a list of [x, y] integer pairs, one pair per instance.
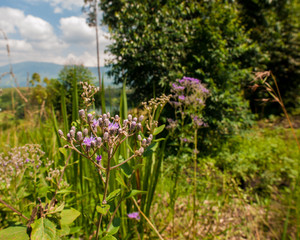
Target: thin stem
{"points": [[195, 183], [147, 219], [120, 164], [13, 209], [105, 189]]}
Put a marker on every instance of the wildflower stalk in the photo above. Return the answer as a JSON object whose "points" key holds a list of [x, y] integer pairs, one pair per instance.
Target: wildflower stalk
{"points": [[147, 219], [13, 209], [195, 183]]}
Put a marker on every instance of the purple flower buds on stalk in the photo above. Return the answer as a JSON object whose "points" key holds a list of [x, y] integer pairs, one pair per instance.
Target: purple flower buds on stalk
{"points": [[135, 119], [79, 136], [129, 117], [60, 132], [98, 142], [72, 133], [90, 117], [141, 150], [81, 113], [108, 115], [141, 118], [105, 136], [85, 132], [144, 142], [117, 117], [125, 121], [139, 137], [106, 122], [69, 137], [104, 116], [139, 126], [132, 126]]}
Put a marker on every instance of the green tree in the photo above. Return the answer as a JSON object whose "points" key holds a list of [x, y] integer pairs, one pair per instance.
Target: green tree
{"points": [[274, 25], [157, 42], [64, 85]]}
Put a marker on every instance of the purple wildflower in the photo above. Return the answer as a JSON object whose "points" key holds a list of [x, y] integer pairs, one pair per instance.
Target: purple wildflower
{"points": [[98, 159], [134, 215], [113, 126], [95, 123], [176, 87], [193, 80], [181, 97], [27, 160], [88, 141]]}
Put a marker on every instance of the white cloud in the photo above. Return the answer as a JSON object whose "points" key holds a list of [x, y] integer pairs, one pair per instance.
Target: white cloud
{"points": [[75, 30], [33, 39], [10, 18]]}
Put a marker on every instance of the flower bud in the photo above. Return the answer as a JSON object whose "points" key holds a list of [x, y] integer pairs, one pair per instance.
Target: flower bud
{"points": [[73, 128], [149, 140], [117, 117], [93, 144], [151, 136], [144, 142], [141, 150], [81, 113], [90, 117], [106, 122], [135, 119], [98, 141], [139, 137], [105, 136], [133, 125], [125, 122], [108, 115], [141, 118], [104, 116], [72, 133], [139, 126], [69, 137], [79, 136], [129, 117], [85, 132], [60, 132]]}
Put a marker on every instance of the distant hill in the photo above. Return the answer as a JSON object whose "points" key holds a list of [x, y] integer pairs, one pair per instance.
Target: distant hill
{"points": [[49, 70]]}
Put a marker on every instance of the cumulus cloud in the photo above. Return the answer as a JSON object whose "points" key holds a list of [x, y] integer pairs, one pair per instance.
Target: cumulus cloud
{"points": [[33, 39]]}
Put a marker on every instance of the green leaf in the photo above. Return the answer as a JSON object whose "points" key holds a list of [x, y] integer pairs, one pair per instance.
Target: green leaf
{"points": [[159, 129], [134, 192], [103, 209], [126, 170], [43, 229], [14, 233], [113, 194], [108, 237], [65, 230], [114, 227], [63, 151], [68, 216], [120, 180]]}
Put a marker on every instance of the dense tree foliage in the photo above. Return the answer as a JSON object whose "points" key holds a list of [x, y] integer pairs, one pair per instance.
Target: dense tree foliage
{"points": [[274, 25], [157, 42]]}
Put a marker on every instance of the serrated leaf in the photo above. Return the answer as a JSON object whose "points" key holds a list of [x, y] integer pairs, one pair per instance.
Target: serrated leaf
{"points": [[159, 129], [114, 227], [103, 209], [68, 216], [43, 229], [134, 192], [113, 194], [14, 233]]}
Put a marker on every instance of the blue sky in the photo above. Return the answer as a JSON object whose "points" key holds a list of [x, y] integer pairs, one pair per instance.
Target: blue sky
{"points": [[49, 31]]}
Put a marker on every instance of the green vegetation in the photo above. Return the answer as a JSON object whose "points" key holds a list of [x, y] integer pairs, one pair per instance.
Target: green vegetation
{"points": [[189, 162]]}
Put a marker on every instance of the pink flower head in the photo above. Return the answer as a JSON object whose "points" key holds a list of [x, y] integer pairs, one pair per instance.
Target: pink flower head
{"points": [[134, 215]]}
